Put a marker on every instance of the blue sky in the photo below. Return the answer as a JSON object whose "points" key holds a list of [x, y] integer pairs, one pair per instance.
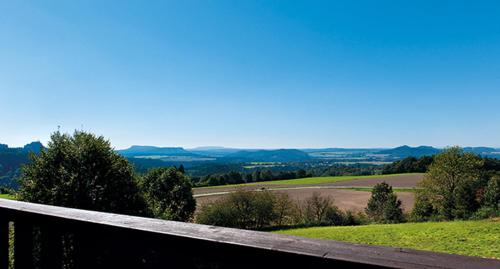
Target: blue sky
{"points": [[266, 74]]}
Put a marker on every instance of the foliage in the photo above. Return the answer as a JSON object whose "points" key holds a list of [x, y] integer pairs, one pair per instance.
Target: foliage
{"points": [[408, 165], [451, 183], [241, 209], [81, 171], [255, 176], [422, 209], [384, 205], [265, 209], [475, 238], [491, 196], [168, 194]]}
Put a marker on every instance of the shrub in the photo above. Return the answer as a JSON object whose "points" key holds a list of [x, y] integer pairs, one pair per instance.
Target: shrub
{"points": [[384, 205], [316, 208], [168, 194], [241, 209], [491, 196], [423, 209], [285, 209], [265, 209]]}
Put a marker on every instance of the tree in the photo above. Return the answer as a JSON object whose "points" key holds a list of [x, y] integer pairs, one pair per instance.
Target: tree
{"points": [[168, 194], [451, 182], [81, 171], [316, 208], [384, 206], [181, 169], [284, 209], [423, 209], [492, 193]]}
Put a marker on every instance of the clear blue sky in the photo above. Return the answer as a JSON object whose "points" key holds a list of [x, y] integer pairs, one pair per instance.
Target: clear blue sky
{"points": [[263, 74]]}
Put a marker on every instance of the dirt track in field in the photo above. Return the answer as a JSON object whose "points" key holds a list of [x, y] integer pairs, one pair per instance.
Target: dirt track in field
{"points": [[344, 198]]}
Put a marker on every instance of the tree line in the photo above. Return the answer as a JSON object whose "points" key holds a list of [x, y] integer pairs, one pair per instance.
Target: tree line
{"points": [[234, 177]]}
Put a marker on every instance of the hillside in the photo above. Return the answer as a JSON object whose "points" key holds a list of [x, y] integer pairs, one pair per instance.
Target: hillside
{"points": [[135, 151], [473, 238], [11, 160], [406, 151], [280, 155]]}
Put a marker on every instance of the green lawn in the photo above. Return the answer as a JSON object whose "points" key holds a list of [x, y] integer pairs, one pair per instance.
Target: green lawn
{"points": [[473, 238], [308, 180], [7, 196]]}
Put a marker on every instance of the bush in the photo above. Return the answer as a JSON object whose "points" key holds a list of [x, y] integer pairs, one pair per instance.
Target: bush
{"points": [[491, 196], [423, 209], [316, 208], [168, 194], [384, 205], [486, 212], [241, 209], [265, 209]]}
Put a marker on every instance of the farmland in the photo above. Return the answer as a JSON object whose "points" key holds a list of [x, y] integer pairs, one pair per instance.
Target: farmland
{"points": [[349, 192], [474, 238]]}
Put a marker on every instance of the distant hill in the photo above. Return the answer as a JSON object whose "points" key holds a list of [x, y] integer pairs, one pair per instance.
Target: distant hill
{"points": [[279, 155], [337, 150], [135, 151], [213, 151], [407, 151], [481, 150], [11, 160]]}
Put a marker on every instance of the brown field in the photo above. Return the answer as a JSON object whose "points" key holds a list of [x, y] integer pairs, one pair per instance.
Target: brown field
{"points": [[345, 199]]}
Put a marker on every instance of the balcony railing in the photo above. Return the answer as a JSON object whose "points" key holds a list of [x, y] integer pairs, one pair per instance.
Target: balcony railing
{"points": [[58, 237]]}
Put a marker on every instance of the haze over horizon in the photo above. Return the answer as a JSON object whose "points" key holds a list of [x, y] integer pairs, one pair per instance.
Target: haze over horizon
{"points": [[252, 74], [266, 148]]}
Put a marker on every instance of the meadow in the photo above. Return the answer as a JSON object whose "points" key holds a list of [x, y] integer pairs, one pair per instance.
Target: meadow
{"points": [[7, 196], [310, 180], [473, 238]]}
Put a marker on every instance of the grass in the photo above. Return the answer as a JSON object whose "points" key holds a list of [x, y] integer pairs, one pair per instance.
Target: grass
{"points": [[307, 180], [472, 238], [7, 196]]}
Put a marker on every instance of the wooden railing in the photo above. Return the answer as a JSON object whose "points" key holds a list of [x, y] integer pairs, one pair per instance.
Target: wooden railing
{"points": [[56, 237]]}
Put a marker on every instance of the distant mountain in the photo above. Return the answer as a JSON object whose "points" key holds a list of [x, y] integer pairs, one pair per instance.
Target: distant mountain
{"points": [[11, 160], [336, 150], [279, 155], [213, 151], [135, 151], [407, 151], [481, 150], [34, 147]]}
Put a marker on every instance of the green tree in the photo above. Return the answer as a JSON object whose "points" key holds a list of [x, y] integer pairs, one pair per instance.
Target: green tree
{"points": [[451, 181], [81, 171], [316, 209], [423, 209], [492, 193], [168, 194], [384, 205]]}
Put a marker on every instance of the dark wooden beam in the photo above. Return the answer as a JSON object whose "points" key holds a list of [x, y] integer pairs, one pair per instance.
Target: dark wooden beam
{"points": [[23, 244], [51, 250], [177, 241], [4, 242]]}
